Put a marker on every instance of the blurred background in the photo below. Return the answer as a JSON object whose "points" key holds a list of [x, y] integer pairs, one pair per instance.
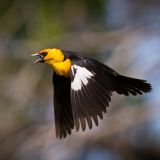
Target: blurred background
{"points": [[123, 34]]}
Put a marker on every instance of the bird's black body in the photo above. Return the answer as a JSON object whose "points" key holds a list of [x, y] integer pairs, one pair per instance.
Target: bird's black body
{"points": [[79, 102]]}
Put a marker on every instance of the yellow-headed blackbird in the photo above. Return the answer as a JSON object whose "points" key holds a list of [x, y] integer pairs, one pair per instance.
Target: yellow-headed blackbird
{"points": [[82, 88]]}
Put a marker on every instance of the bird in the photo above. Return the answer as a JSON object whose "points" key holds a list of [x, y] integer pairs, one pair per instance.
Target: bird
{"points": [[83, 88]]}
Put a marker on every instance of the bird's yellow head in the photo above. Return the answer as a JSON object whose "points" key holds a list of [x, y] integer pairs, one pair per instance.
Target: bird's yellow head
{"points": [[55, 58], [49, 56]]}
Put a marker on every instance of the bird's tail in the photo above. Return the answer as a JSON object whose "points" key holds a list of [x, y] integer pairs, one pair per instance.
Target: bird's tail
{"points": [[127, 85]]}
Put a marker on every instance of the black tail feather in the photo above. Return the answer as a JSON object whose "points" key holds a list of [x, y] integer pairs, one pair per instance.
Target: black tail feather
{"points": [[127, 85]]}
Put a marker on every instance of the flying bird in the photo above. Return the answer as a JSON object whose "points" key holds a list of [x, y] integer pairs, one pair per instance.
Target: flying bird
{"points": [[83, 88]]}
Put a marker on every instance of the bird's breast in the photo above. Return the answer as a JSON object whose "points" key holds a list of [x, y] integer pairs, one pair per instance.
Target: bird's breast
{"points": [[62, 68]]}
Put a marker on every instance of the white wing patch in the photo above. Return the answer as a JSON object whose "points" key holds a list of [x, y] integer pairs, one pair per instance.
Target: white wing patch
{"points": [[81, 77]]}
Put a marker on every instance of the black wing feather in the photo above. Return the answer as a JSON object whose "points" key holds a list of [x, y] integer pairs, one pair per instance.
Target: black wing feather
{"points": [[90, 101], [62, 106]]}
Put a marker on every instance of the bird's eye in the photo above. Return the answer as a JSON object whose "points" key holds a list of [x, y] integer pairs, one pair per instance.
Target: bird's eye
{"points": [[44, 54]]}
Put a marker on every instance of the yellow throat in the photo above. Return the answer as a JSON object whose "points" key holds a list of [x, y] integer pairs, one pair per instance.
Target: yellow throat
{"points": [[55, 58]]}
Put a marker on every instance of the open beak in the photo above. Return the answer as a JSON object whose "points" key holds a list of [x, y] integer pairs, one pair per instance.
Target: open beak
{"points": [[40, 59]]}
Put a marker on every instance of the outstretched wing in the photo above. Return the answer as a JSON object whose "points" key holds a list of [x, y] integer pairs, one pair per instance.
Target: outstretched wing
{"points": [[62, 106], [83, 97], [91, 89], [91, 85]]}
